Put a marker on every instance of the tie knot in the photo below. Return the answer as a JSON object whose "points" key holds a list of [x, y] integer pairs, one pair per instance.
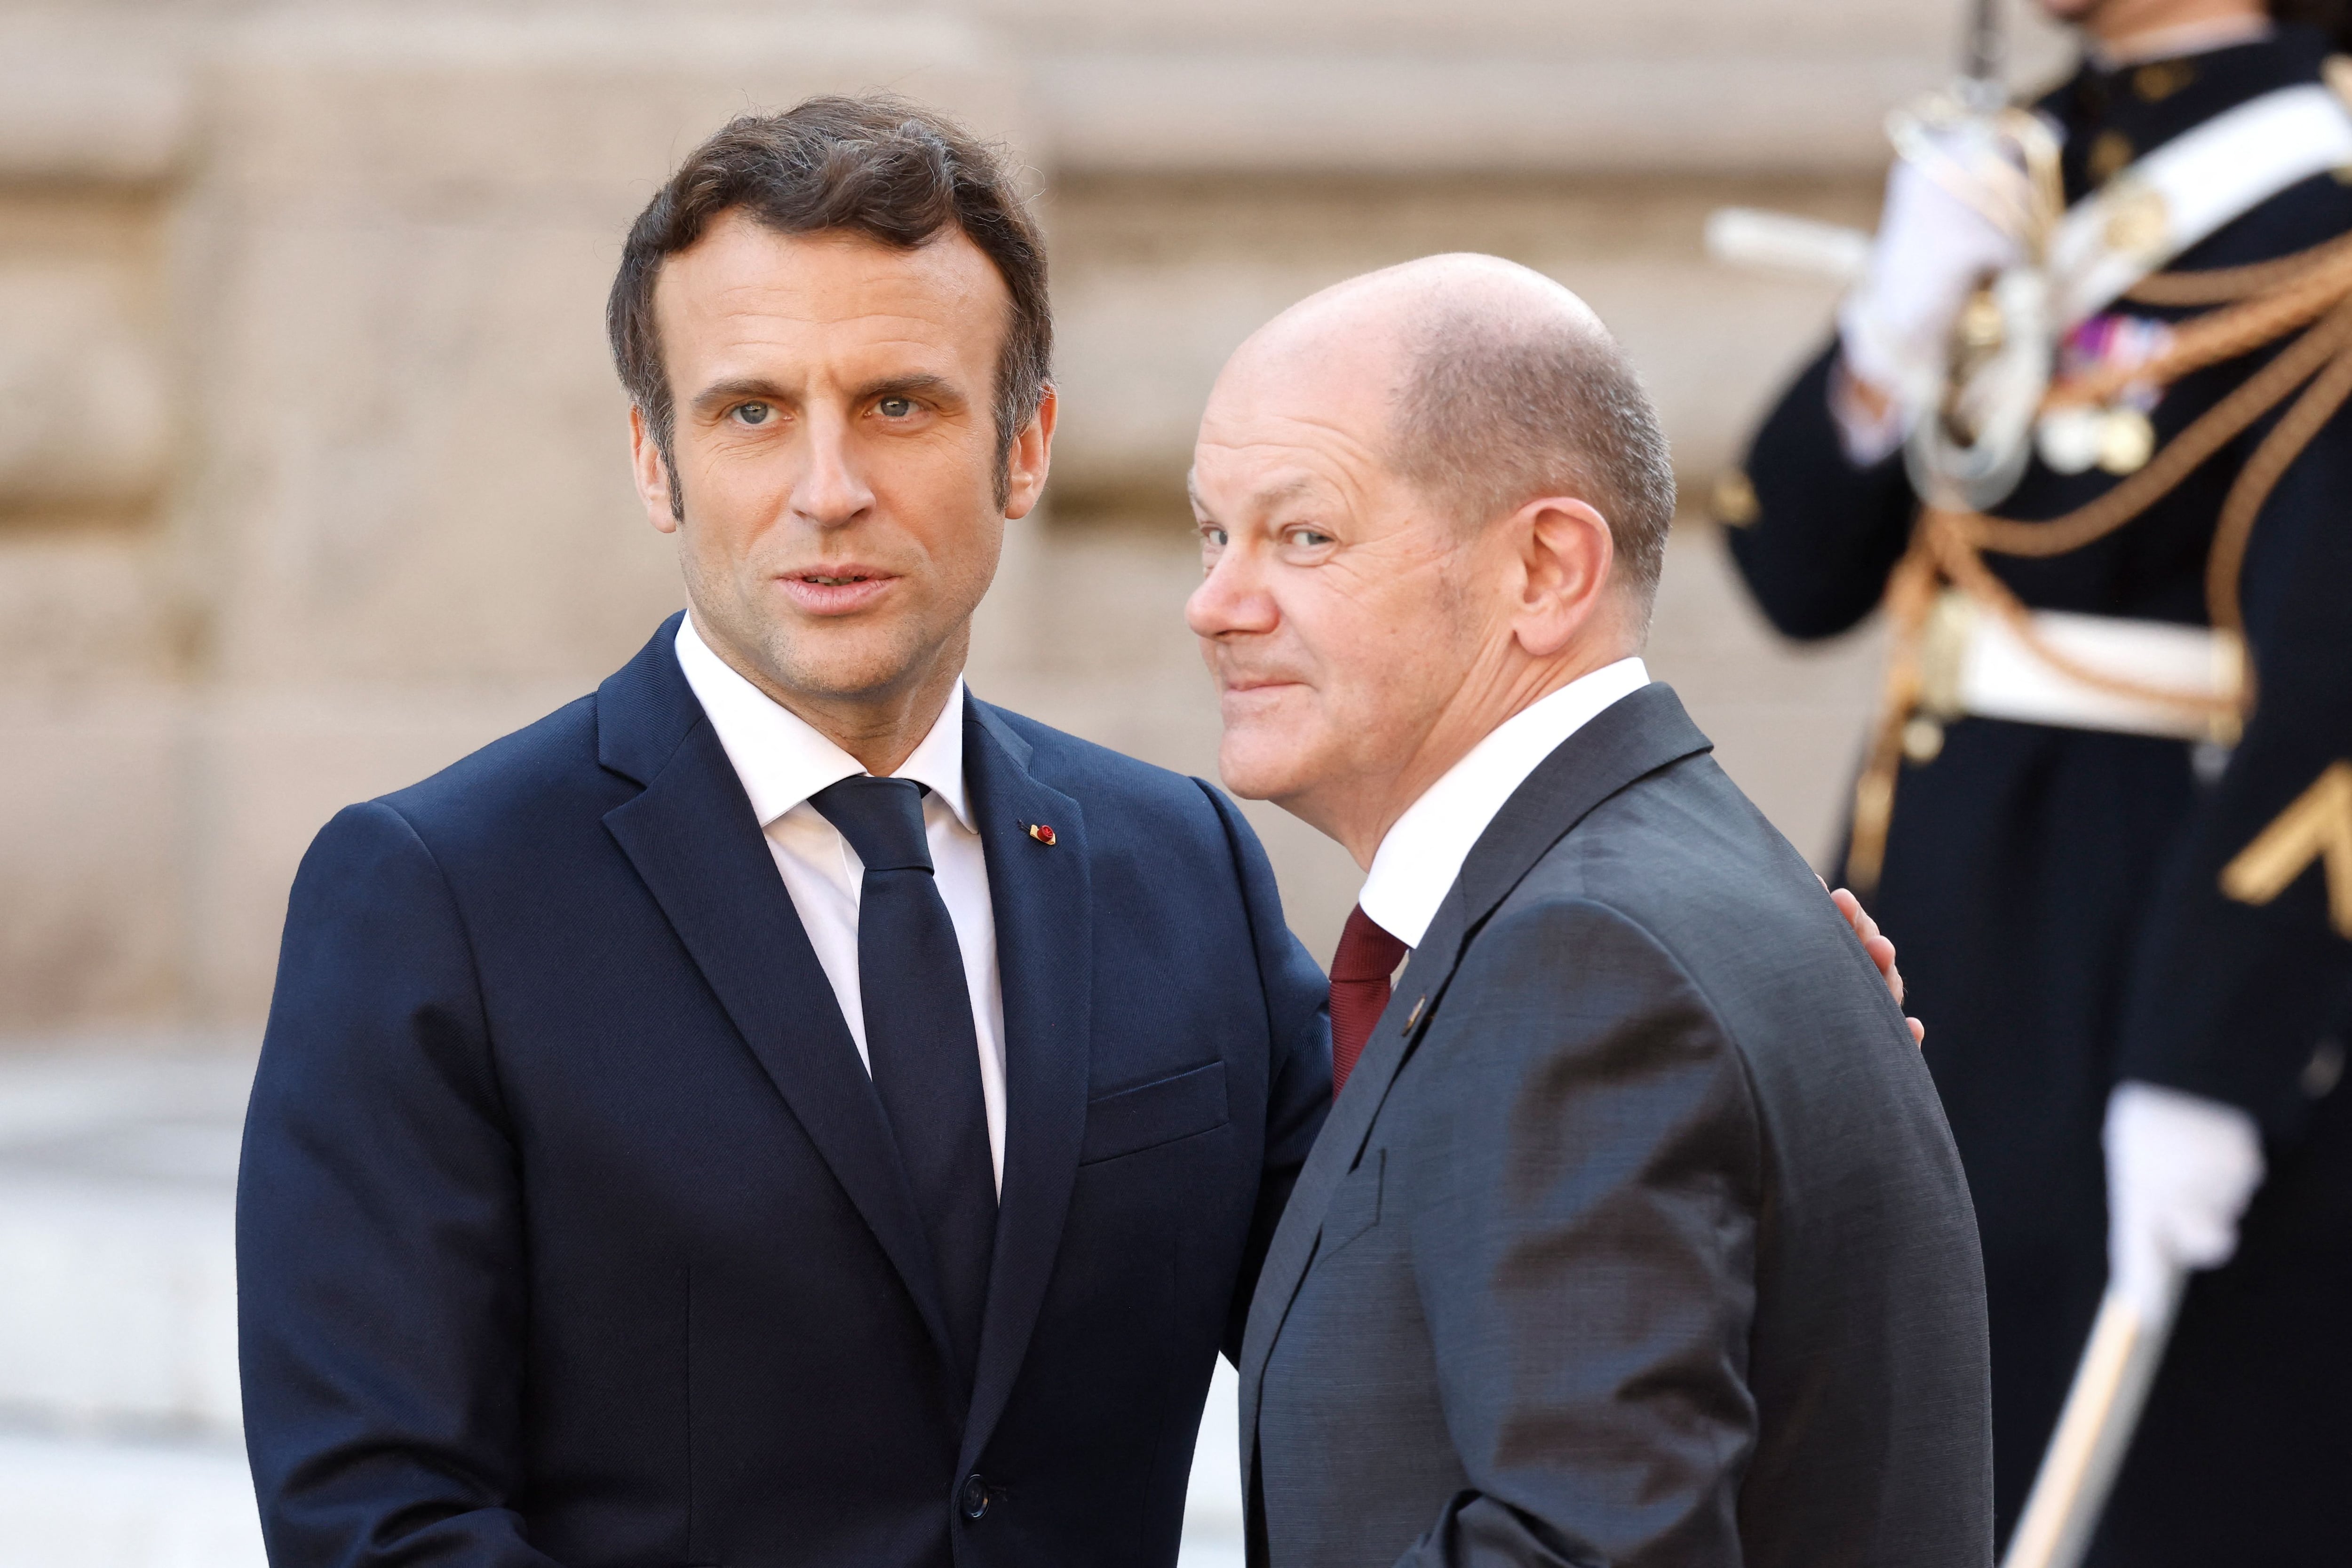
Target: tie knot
{"points": [[881, 817], [1366, 951]]}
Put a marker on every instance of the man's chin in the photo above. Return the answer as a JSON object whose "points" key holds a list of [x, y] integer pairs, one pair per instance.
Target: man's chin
{"points": [[841, 663], [1259, 764]]}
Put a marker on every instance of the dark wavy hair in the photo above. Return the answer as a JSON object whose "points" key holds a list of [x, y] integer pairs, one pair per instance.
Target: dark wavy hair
{"points": [[875, 165]]}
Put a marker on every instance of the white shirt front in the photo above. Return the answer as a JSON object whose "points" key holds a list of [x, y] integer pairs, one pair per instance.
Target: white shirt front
{"points": [[782, 760], [1418, 860]]}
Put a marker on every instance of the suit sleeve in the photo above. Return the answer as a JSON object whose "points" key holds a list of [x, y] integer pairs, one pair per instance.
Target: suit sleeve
{"points": [[1298, 1027], [1826, 534], [2231, 995], [380, 1271], [1582, 1218]]}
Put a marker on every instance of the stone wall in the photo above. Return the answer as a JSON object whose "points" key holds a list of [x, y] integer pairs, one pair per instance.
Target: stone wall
{"points": [[312, 477], [312, 464]]}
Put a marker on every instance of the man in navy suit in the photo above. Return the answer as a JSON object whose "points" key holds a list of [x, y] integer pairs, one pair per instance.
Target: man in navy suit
{"points": [[778, 1108]]}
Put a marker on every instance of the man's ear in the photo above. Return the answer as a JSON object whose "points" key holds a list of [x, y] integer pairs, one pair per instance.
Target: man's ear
{"points": [[651, 473], [1566, 557], [1031, 453]]}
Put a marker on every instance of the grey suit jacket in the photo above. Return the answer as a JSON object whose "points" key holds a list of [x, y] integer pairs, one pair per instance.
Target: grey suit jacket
{"points": [[1637, 1236]]}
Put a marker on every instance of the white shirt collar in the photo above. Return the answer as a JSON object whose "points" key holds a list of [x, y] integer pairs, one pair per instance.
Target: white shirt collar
{"points": [[781, 757], [1418, 862]]}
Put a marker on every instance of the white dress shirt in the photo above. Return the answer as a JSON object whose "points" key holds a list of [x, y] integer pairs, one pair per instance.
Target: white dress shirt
{"points": [[782, 760], [1418, 861]]}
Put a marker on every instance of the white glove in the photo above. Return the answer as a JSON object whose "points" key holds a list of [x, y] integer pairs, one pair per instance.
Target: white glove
{"points": [[1932, 251], [2180, 1171]]}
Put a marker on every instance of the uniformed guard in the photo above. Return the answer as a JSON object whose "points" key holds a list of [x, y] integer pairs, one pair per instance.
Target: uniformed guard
{"points": [[2083, 432]]}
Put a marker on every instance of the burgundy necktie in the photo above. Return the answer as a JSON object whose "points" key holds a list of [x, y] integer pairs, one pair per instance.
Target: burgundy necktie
{"points": [[1368, 955]]}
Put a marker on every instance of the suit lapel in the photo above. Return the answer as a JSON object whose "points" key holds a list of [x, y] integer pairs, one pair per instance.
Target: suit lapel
{"points": [[692, 838], [1636, 736], [1039, 895]]}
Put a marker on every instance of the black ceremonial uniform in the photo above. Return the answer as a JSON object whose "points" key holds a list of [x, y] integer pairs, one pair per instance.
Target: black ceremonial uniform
{"points": [[2055, 892]]}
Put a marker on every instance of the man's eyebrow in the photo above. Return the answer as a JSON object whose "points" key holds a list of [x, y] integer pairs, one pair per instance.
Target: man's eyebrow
{"points": [[1294, 488], [1298, 486], [920, 383], [735, 387]]}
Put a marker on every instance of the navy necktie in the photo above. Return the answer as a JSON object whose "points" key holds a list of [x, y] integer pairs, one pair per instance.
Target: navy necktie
{"points": [[919, 1041]]}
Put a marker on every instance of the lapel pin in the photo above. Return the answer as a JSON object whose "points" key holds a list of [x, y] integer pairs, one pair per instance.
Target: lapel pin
{"points": [[1041, 833], [1413, 1017]]}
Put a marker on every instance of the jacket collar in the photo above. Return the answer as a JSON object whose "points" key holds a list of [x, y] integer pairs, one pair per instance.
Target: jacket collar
{"points": [[694, 839], [1636, 737], [1041, 893], [1426, 847], [782, 759], [695, 842]]}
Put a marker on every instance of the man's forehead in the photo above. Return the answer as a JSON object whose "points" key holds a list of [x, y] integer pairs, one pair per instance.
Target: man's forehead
{"points": [[748, 305], [1297, 390], [1289, 450], [740, 267], [1245, 486]]}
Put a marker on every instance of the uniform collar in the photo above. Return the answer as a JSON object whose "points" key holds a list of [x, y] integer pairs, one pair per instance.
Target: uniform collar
{"points": [[2111, 112], [2177, 43], [1422, 855], [782, 759]]}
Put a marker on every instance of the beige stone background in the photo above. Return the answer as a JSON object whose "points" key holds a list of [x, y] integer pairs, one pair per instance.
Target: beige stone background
{"points": [[312, 479], [311, 458]]}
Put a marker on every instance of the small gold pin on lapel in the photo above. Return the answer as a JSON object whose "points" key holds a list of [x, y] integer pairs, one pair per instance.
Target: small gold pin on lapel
{"points": [[1041, 833], [1413, 1017]]}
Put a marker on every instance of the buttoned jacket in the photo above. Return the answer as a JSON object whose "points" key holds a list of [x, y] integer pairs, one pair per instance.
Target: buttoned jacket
{"points": [[1637, 1236], [570, 1226]]}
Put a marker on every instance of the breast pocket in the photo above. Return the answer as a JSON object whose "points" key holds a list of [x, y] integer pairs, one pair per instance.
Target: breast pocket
{"points": [[1129, 1121]]}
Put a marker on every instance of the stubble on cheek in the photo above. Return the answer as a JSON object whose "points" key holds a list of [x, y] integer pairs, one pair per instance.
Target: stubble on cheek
{"points": [[853, 657]]}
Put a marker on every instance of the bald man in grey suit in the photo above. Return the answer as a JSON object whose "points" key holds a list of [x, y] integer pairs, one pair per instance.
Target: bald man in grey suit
{"points": [[1636, 1235]]}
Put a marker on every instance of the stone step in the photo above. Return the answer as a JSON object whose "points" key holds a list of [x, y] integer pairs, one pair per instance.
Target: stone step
{"points": [[119, 1429], [117, 1209], [69, 1502]]}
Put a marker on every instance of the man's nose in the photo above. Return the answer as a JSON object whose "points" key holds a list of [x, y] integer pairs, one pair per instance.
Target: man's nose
{"points": [[831, 490], [1232, 597]]}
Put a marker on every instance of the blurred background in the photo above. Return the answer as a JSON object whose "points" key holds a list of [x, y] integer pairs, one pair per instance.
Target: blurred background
{"points": [[312, 479]]}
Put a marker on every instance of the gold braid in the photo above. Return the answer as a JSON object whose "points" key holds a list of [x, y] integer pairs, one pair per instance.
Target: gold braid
{"points": [[2311, 290], [2219, 286]]}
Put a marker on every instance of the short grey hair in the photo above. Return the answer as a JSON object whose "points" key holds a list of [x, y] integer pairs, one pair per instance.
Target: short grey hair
{"points": [[1498, 408]]}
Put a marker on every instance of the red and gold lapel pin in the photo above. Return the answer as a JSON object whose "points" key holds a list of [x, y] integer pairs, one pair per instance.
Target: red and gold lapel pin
{"points": [[1041, 833]]}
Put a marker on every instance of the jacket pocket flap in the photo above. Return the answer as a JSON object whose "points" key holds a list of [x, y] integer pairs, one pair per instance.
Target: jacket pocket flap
{"points": [[1135, 1119]]}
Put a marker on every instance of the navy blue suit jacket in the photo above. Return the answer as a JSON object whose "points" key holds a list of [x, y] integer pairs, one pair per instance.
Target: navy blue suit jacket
{"points": [[570, 1230]]}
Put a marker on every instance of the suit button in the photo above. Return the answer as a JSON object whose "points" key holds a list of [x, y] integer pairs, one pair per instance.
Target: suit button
{"points": [[975, 1497]]}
